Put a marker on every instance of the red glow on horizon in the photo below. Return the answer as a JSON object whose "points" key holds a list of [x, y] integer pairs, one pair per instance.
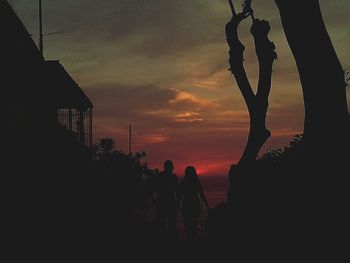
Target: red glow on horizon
{"points": [[204, 169]]}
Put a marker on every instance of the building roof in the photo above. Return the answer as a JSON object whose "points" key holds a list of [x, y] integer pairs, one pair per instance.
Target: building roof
{"points": [[32, 87], [67, 92], [16, 39], [23, 86]]}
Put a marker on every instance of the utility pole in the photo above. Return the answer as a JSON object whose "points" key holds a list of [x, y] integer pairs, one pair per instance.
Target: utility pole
{"points": [[130, 139], [41, 35]]}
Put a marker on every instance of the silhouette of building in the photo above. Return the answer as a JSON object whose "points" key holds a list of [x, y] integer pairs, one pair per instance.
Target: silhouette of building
{"points": [[28, 105], [43, 162], [39, 94], [74, 108]]}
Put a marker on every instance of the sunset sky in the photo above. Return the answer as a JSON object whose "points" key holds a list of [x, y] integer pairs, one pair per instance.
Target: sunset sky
{"points": [[162, 67]]}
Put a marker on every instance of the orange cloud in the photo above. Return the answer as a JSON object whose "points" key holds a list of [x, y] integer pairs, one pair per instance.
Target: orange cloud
{"points": [[186, 97], [155, 138], [189, 120], [235, 115], [188, 117]]}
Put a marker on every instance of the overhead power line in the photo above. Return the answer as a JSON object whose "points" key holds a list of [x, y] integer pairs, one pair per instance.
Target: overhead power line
{"points": [[129, 8], [13, 6]]}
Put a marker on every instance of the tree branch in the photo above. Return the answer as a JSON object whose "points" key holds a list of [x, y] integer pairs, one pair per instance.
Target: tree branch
{"points": [[257, 104], [236, 57], [265, 51]]}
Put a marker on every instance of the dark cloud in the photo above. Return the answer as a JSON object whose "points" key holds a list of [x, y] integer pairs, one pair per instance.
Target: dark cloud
{"points": [[164, 68]]}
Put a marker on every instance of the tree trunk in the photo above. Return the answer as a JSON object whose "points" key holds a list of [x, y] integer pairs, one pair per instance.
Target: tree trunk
{"points": [[323, 185], [257, 104], [321, 74]]}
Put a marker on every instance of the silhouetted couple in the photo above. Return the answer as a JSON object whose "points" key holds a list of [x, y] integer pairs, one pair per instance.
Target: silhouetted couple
{"points": [[170, 196]]}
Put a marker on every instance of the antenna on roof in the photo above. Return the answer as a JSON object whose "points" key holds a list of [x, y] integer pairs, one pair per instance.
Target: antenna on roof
{"points": [[41, 35]]}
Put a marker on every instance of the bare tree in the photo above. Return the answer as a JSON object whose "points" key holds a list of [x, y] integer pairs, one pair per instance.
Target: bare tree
{"points": [[257, 103]]}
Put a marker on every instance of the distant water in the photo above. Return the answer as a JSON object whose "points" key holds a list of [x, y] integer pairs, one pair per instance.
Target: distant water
{"points": [[215, 189]]}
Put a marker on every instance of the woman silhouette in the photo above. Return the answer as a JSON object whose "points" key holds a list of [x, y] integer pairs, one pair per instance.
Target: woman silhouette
{"points": [[191, 195]]}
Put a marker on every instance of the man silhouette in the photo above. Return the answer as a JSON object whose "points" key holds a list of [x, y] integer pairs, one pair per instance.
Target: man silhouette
{"points": [[167, 200]]}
